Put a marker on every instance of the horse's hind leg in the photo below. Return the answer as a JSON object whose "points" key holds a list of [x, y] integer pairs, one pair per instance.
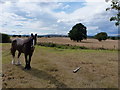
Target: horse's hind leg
{"points": [[19, 63], [13, 55], [13, 50]]}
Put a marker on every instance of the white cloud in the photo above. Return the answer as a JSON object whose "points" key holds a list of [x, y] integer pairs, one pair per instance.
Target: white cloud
{"points": [[40, 17], [81, 13]]}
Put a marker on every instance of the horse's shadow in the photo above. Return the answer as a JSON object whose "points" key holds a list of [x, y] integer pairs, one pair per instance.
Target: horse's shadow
{"points": [[44, 75]]}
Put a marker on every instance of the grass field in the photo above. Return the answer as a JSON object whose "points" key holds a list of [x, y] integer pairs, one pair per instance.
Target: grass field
{"points": [[89, 43], [53, 68]]}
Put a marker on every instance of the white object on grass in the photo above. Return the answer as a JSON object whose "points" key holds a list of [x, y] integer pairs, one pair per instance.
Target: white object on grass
{"points": [[74, 71]]}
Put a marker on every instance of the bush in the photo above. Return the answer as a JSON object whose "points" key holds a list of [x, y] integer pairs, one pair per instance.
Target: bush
{"points": [[5, 38], [101, 36], [115, 37]]}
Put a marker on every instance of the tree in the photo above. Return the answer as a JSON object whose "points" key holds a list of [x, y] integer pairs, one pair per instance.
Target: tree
{"points": [[19, 35], [115, 5], [14, 36], [101, 36], [5, 38], [78, 32], [113, 38]]}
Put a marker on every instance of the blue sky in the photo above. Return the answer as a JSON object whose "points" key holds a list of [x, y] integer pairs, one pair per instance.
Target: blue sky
{"points": [[53, 17]]}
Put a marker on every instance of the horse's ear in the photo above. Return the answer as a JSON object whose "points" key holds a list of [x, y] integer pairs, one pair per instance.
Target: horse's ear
{"points": [[31, 34], [35, 35]]}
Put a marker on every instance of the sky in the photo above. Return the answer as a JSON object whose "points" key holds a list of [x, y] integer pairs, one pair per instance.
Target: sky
{"points": [[55, 16]]}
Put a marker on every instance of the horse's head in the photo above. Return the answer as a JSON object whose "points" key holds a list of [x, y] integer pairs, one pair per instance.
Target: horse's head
{"points": [[34, 37]]}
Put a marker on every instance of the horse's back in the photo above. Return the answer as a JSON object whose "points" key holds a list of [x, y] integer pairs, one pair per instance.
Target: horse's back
{"points": [[17, 43]]}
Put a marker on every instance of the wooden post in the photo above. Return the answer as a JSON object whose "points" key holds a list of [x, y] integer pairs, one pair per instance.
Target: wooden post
{"points": [[74, 71]]}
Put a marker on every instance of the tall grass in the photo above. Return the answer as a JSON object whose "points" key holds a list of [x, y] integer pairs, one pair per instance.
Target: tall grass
{"points": [[68, 46], [62, 46]]}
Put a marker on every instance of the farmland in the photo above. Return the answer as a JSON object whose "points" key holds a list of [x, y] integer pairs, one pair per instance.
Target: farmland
{"points": [[53, 68], [90, 43]]}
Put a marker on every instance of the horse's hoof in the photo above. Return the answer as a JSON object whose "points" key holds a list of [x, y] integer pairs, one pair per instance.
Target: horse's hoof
{"points": [[18, 64], [26, 68], [13, 62]]}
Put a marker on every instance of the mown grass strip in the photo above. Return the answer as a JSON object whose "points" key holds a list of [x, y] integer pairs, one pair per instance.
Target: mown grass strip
{"points": [[61, 46], [68, 46]]}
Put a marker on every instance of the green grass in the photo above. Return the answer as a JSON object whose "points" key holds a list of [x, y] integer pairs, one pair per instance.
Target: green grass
{"points": [[61, 46], [6, 55], [68, 46], [52, 68]]}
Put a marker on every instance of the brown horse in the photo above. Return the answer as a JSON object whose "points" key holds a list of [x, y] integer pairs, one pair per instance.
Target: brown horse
{"points": [[25, 46]]}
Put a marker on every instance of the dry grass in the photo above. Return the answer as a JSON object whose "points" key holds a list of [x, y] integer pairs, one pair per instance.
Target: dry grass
{"points": [[90, 43], [52, 68]]}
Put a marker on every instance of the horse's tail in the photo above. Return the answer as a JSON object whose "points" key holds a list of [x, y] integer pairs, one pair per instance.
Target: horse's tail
{"points": [[13, 45]]}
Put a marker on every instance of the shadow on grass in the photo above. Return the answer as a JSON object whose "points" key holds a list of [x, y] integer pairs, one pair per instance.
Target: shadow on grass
{"points": [[44, 75]]}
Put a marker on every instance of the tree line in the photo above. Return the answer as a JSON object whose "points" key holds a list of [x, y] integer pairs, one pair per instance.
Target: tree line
{"points": [[74, 34], [79, 32]]}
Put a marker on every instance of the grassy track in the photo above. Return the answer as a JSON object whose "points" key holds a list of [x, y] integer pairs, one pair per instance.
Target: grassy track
{"points": [[52, 68]]}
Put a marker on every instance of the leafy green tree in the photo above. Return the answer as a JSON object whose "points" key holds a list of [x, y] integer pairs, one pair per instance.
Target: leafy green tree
{"points": [[113, 38], [5, 38], [101, 36], [19, 35], [78, 32], [115, 5]]}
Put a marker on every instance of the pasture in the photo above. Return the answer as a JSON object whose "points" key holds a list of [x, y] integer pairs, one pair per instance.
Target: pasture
{"points": [[53, 68], [89, 43]]}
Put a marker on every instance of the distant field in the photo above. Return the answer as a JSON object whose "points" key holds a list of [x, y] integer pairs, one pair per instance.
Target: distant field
{"points": [[53, 68], [90, 43]]}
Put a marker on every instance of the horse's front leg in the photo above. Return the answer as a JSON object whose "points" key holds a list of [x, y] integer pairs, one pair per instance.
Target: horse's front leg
{"points": [[19, 63], [13, 55], [29, 67], [26, 61]]}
